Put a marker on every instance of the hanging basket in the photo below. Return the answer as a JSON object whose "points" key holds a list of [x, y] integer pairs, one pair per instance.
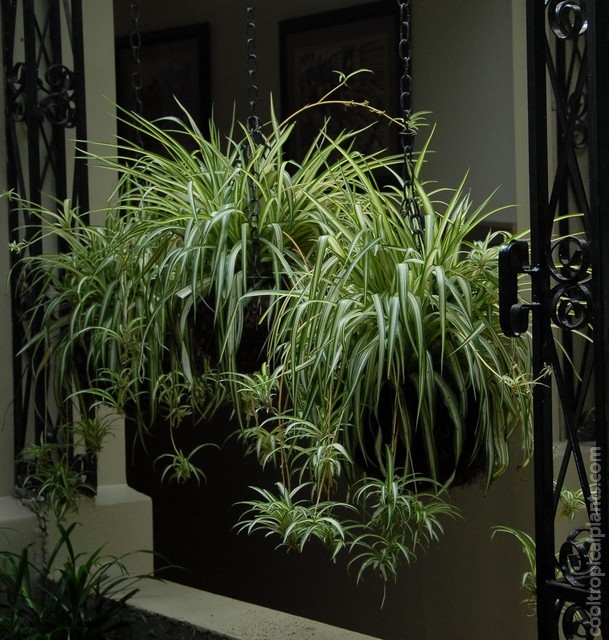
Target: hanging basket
{"points": [[408, 443]]}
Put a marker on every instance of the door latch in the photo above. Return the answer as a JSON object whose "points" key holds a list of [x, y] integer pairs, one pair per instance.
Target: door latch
{"points": [[513, 312]]}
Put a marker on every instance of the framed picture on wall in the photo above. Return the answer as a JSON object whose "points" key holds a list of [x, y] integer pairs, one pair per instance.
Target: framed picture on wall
{"points": [[314, 48], [175, 66]]}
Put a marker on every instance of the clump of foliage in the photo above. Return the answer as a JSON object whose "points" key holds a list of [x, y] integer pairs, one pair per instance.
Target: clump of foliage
{"points": [[57, 593], [68, 596], [387, 376], [571, 502], [378, 372]]}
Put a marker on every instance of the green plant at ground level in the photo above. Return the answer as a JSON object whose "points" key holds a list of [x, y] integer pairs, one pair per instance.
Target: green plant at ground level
{"points": [[529, 577], [572, 503], [77, 598], [53, 481], [387, 378], [385, 375]]}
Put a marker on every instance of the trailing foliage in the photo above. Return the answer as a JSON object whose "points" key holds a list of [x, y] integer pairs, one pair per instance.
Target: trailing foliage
{"points": [[529, 577], [367, 370], [386, 343], [54, 474], [388, 377], [571, 503], [382, 523], [148, 309], [69, 596]]}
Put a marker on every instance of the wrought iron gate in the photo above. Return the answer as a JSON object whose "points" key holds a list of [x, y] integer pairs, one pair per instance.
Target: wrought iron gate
{"points": [[568, 78], [568, 50], [44, 100]]}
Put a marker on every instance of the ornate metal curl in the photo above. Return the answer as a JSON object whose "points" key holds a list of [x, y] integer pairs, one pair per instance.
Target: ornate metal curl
{"points": [[571, 298], [568, 18], [571, 306], [580, 129], [577, 623], [56, 100], [574, 557], [59, 105]]}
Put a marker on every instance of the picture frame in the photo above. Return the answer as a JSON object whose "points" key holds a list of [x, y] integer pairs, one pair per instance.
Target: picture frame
{"points": [[314, 48], [175, 67]]}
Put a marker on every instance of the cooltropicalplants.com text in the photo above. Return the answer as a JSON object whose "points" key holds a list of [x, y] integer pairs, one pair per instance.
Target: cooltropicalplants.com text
{"points": [[597, 535]]}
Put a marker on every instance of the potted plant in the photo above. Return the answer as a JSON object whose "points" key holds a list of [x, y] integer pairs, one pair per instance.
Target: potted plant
{"points": [[377, 354], [147, 309], [388, 370]]}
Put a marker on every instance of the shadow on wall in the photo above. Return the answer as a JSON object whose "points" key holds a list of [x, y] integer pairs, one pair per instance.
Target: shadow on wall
{"points": [[465, 588]]}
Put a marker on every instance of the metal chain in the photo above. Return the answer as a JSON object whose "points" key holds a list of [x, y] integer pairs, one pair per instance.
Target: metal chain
{"points": [[410, 207], [253, 121], [136, 77], [254, 129]]}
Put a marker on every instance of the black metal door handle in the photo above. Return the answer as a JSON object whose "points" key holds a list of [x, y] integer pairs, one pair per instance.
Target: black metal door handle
{"points": [[513, 314]]}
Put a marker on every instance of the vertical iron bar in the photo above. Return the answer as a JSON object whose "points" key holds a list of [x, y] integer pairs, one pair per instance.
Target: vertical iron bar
{"points": [[43, 99], [80, 190], [57, 143], [563, 208], [34, 195], [32, 117], [9, 25], [542, 395], [599, 226]]}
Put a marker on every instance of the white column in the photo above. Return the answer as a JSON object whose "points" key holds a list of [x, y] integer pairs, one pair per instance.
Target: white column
{"points": [[119, 517]]}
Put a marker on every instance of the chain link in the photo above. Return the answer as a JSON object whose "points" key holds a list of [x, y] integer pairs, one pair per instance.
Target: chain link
{"points": [[135, 41], [253, 121], [410, 207], [254, 129]]}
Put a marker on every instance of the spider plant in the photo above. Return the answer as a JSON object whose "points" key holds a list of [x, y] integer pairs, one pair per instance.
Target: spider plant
{"points": [[570, 504], [84, 596], [388, 377], [399, 344], [148, 310], [380, 354]]}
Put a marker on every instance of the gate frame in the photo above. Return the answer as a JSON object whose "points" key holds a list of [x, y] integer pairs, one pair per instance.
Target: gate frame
{"points": [[569, 602]]}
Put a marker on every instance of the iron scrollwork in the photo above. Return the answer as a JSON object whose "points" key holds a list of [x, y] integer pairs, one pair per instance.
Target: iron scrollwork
{"points": [[580, 128], [576, 565], [56, 101], [571, 298], [58, 105], [44, 95], [577, 623], [567, 45], [568, 18], [574, 558]]}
